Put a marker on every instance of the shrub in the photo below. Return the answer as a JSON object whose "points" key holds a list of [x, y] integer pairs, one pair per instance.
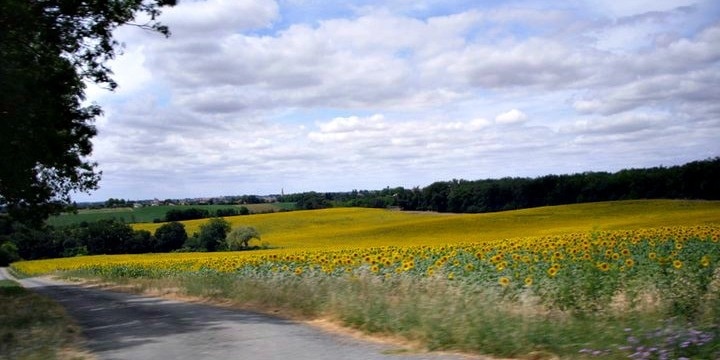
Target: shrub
{"points": [[239, 238], [186, 214], [8, 253]]}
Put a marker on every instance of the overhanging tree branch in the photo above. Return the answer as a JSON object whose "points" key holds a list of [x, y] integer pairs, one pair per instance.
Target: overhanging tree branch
{"points": [[48, 49]]}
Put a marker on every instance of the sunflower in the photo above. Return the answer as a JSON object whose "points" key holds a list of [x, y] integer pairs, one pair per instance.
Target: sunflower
{"points": [[552, 271], [677, 264], [528, 281], [603, 266], [629, 262], [705, 261], [504, 281]]}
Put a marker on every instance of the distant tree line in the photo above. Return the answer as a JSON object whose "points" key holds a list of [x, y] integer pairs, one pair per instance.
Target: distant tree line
{"points": [[118, 203], [694, 180], [223, 200], [310, 200], [199, 213], [111, 236]]}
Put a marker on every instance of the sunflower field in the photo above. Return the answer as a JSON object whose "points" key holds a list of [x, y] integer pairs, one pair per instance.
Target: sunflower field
{"points": [[651, 292], [571, 271]]}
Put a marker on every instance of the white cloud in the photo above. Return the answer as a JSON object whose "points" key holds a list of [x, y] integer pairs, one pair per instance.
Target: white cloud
{"points": [[212, 17], [243, 98], [353, 124], [586, 106], [513, 116], [631, 8]]}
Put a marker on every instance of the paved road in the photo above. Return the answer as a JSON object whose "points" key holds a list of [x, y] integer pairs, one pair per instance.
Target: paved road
{"points": [[125, 326], [4, 274]]}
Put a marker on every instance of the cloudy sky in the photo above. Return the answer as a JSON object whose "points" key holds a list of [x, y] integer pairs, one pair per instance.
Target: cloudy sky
{"points": [[255, 96]]}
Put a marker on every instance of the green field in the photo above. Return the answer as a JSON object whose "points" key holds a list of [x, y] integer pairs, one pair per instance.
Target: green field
{"points": [[149, 214]]}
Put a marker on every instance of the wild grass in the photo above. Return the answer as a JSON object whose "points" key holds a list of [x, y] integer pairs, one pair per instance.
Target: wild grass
{"points": [[34, 327], [441, 314]]}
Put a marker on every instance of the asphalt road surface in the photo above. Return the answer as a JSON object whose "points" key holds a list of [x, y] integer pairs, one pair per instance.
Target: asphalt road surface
{"points": [[4, 274], [125, 326]]}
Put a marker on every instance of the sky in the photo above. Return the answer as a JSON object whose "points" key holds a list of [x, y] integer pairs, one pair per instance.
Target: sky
{"points": [[263, 96]]}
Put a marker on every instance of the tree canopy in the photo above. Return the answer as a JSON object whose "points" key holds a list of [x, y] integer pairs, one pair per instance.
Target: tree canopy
{"points": [[170, 236], [694, 180], [48, 50], [212, 234], [239, 238]]}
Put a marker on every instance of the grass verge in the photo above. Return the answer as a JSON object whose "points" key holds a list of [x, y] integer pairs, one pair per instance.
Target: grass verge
{"points": [[35, 327], [439, 314]]}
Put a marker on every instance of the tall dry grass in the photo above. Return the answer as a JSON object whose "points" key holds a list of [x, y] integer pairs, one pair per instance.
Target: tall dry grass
{"points": [[448, 315]]}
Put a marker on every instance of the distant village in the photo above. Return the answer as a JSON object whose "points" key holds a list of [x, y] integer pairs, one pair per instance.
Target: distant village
{"points": [[219, 200]]}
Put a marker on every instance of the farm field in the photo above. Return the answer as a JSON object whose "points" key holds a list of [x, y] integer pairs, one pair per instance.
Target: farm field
{"points": [[632, 279], [361, 227], [148, 214]]}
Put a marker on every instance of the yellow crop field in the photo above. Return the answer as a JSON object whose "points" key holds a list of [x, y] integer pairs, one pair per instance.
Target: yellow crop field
{"points": [[516, 258], [333, 233], [358, 227]]}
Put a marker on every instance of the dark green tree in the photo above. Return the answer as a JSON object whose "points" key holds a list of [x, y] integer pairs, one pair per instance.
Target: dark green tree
{"points": [[108, 237], [311, 201], [34, 243], [141, 242], [48, 48], [170, 236], [186, 214], [226, 212], [213, 233], [8, 253]]}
